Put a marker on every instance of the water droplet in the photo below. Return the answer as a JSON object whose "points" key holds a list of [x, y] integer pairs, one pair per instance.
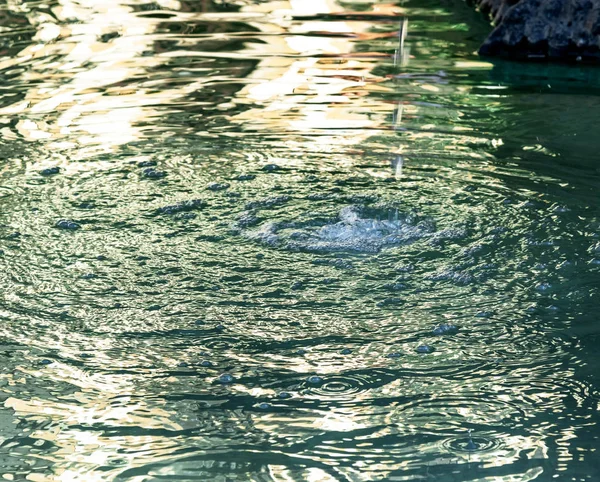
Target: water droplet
{"points": [[346, 351], [263, 406], [395, 354], [45, 361], [206, 363], [314, 379], [471, 445], [284, 395]]}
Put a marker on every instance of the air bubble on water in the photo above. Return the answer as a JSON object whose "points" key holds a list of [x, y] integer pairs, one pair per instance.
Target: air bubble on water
{"points": [[543, 287], [226, 378], [532, 308], [216, 186], [67, 224], [298, 285], [424, 349], [445, 329], [50, 171]]}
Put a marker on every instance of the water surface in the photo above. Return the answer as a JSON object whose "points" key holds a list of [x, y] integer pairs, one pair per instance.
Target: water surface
{"points": [[288, 241]]}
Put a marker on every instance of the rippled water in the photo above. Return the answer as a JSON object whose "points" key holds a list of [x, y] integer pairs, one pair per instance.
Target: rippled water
{"points": [[278, 241]]}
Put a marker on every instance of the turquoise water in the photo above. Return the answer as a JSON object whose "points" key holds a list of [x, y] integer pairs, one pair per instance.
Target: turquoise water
{"points": [[276, 241]]}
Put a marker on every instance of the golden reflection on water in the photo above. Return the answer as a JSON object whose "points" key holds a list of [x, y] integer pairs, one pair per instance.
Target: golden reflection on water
{"points": [[81, 452], [86, 96], [303, 93], [81, 94]]}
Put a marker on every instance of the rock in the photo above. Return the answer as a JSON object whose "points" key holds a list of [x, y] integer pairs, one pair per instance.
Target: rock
{"points": [[543, 29]]}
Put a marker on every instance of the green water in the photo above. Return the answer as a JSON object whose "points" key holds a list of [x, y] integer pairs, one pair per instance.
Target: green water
{"points": [[261, 214]]}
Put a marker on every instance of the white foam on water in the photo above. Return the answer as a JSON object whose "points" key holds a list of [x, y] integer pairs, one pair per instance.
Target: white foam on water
{"points": [[351, 233]]}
